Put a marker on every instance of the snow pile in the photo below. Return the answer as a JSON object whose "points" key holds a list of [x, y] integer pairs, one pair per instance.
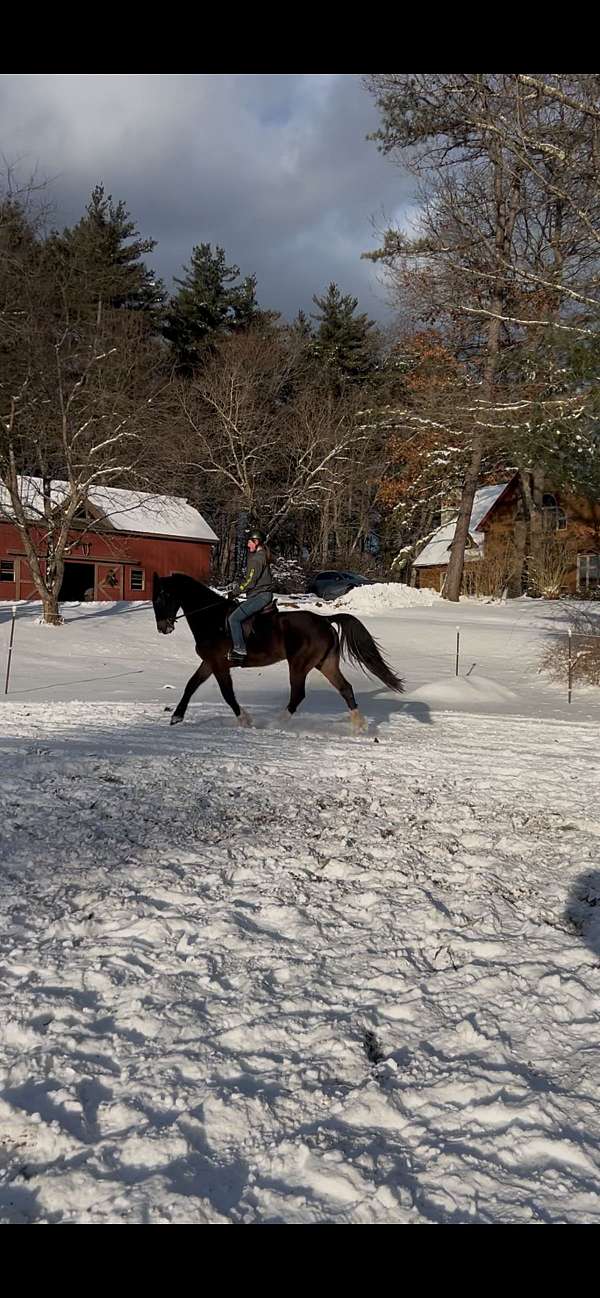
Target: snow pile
{"points": [[463, 692], [386, 595]]}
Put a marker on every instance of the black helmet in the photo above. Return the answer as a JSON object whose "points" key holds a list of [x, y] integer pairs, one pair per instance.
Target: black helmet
{"points": [[256, 535]]}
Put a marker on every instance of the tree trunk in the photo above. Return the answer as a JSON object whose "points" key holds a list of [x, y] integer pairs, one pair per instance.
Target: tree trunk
{"points": [[325, 532], [506, 215], [337, 546], [521, 581], [453, 582], [50, 610]]}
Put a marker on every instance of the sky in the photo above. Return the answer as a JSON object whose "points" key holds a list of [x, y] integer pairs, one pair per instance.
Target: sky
{"points": [[275, 168]]}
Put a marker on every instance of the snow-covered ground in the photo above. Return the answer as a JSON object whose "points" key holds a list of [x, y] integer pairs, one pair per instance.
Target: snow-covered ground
{"points": [[287, 975]]}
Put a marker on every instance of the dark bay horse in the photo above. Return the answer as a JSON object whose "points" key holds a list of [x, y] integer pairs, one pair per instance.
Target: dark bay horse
{"points": [[306, 640]]}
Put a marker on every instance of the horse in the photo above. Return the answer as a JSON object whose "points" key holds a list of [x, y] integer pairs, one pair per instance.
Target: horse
{"points": [[306, 640]]}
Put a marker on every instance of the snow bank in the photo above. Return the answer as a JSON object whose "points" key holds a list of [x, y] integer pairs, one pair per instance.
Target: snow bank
{"points": [[463, 692], [389, 594]]}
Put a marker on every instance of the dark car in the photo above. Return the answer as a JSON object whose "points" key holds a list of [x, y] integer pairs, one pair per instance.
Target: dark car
{"points": [[330, 585]]}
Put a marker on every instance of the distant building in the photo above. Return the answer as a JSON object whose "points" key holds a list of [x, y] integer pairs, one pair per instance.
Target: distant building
{"points": [[116, 543], [498, 518]]}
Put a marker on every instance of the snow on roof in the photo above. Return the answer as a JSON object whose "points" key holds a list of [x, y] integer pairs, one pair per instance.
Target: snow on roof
{"points": [[485, 498], [140, 511], [125, 511], [437, 550]]}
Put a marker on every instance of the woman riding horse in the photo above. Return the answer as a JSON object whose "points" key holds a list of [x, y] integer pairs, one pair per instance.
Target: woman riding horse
{"points": [[257, 586]]}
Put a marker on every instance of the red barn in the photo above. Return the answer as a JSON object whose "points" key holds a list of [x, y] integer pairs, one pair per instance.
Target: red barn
{"points": [[116, 544]]}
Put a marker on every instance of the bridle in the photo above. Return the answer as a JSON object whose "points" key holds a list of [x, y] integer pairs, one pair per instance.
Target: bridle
{"points": [[193, 611]]}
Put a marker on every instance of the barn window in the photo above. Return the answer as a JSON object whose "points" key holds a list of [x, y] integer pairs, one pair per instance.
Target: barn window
{"points": [[7, 570], [554, 518], [588, 571], [138, 579]]}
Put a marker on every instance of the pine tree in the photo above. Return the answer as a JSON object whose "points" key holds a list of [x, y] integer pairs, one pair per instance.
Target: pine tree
{"points": [[19, 252], [344, 344], [301, 327], [17, 233], [209, 304], [105, 251]]}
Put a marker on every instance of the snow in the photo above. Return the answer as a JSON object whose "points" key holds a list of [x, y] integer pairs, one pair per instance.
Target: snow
{"points": [[139, 511], [464, 692], [385, 595], [284, 974], [126, 511], [485, 498], [437, 549]]}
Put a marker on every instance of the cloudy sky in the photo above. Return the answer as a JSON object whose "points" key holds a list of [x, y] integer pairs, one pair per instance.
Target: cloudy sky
{"points": [[275, 168]]}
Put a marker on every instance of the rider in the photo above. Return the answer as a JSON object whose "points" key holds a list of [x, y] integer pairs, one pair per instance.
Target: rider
{"points": [[258, 588]]}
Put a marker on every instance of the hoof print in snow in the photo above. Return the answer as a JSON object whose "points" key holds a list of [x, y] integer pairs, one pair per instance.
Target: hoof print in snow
{"points": [[372, 1048]]}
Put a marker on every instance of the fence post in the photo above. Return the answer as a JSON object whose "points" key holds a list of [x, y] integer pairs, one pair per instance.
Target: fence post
{"points": [[457, 647], [10, 647], [570, 663]]}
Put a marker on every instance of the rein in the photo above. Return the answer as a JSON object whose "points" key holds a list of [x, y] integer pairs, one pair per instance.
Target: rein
{"points": [[192, 611]]}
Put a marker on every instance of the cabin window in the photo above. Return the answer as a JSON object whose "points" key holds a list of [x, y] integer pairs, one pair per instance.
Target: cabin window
{"points": [[554, 518], [7, 569], [138, 579], [588, 571]]}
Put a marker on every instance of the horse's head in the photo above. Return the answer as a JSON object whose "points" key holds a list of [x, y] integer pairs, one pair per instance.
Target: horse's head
{"points": [[166, 603]]}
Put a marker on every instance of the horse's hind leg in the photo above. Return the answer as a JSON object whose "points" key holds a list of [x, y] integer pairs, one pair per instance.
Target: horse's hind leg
{"points": [[201, 675], [226, 687], [331, 671], [297, 689]]}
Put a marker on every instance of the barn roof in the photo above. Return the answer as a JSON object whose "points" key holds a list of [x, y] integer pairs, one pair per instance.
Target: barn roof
{"points": [[138, 512], [437, 551]]}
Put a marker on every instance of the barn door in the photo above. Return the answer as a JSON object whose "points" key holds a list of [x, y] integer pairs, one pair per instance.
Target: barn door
{"points": [[109, 580]]}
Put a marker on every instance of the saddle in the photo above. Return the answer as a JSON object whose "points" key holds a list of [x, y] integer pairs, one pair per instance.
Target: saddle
{"points": [[249, 624]]}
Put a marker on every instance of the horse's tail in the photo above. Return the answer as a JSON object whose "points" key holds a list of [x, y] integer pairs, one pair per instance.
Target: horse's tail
{"points": [[359, 647]]}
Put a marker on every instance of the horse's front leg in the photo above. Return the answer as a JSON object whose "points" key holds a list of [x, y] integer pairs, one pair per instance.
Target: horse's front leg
{"points": [[226, 687], [201, 675]]}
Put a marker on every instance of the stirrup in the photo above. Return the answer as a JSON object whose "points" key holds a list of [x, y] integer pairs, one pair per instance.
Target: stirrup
{"points": [[237, 655]]}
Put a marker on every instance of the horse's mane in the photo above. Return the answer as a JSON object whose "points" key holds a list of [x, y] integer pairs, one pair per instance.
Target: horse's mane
{"points": [[204, 594]]}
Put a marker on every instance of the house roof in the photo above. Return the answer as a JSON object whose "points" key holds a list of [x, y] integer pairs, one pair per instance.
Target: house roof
{"points": [[437, 551], [137, 512]]}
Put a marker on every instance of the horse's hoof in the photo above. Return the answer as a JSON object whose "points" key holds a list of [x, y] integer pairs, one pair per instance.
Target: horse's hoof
{"points": [[175, 720], [359, 723], [245, 720]]}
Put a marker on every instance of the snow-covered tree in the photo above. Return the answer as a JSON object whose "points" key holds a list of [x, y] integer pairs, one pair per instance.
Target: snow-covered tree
{"points": [[507, 246]]}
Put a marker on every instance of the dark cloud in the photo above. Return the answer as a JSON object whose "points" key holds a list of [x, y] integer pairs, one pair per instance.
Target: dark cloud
{"points": [[275, 168]]}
